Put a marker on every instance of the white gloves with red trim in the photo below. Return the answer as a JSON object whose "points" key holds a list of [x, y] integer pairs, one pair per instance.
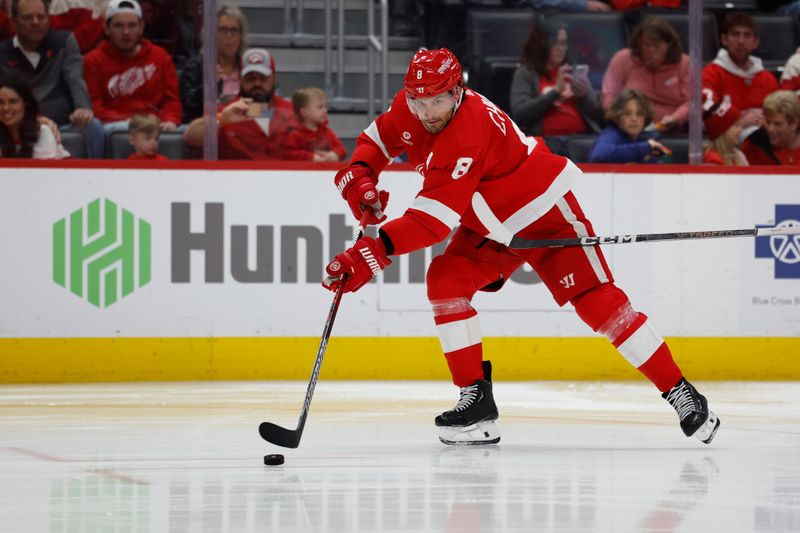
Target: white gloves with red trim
{"points": [[355, 266], [358, 187]]}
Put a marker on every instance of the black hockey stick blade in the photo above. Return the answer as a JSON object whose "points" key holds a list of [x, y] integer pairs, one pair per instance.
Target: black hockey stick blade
{"points": [[520, 243], [280, 436], [290, 438]]}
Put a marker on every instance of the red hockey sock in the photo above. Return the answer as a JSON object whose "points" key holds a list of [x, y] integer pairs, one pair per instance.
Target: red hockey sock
{"points": [[459, 333], [636, 342], [661, 369], [465, 365], [606, 309]]}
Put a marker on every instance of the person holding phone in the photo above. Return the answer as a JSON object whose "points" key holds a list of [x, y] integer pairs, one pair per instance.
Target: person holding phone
{"points": [[257, 123], [549, 96]]}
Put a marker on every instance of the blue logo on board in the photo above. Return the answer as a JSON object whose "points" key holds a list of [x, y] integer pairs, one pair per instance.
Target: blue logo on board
{"points": [[784, 250]]}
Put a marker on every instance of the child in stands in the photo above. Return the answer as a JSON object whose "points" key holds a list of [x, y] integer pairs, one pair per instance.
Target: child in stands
{"points": [[625, 139], [313, 140], [143, 134], [723, 126]]}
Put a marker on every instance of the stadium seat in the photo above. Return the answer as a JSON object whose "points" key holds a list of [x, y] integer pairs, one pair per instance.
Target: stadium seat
{"points": [[75, 143], [679, 147], [779, 37], [579, 146], [594, 38], [171, 145], [494, 44]]}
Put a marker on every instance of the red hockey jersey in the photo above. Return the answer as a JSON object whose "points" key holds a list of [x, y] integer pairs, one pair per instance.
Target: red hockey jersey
{"points": [[120, 87], [745, 88], [480, 170]]}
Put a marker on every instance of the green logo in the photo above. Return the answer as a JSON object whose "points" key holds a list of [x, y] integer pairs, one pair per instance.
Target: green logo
{"points": [[101, 252]]}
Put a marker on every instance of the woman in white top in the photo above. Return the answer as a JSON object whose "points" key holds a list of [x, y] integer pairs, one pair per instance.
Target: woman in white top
{"points": [[21, 135]]}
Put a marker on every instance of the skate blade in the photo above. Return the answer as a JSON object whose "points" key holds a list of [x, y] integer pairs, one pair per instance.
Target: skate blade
{"points": [[707, 431], [481, 433]]}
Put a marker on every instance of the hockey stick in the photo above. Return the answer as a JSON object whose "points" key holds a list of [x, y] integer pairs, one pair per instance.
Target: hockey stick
{"points": [[520, 243], [289, 438]]}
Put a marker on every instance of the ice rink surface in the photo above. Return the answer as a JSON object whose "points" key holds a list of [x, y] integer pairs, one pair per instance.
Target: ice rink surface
{"points": [[574, 457]]}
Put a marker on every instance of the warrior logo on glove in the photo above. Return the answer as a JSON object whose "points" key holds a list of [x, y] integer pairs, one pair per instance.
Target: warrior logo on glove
{"points": [[353, 268]]}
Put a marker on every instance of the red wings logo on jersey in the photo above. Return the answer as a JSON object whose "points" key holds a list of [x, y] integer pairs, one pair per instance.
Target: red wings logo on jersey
{"points": [[128, 82]]}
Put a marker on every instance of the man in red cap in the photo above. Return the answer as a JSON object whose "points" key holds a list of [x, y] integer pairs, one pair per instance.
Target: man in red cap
{"points": [[483, 174]]}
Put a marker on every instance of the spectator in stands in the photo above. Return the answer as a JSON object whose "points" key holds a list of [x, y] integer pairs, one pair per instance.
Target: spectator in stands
{"points": [[723, 126], [50, 62], [231, 43], [21, 134], [313, 140], [128, 74], [254, 126], [778, 142], [655, 65], [736, 76], [143, 134], [790, 78], [625, 139], [548, 95], [84, 18]]}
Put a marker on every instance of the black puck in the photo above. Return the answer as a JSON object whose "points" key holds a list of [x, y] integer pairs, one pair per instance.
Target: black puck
{"points": [[273, 459]]}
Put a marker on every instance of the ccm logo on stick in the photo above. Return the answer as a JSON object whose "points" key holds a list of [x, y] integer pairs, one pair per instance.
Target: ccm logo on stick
{"points": [[608, 240]]}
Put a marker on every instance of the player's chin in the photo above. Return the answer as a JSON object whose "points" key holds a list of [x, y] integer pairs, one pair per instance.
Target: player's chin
{"points": [[434, 127]]}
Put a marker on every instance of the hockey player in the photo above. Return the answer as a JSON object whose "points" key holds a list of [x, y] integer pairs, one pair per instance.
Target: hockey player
{"points": [[480, 171]]}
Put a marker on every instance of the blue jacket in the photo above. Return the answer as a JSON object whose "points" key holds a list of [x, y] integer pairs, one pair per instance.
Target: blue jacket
{"points": [[614, 146]]}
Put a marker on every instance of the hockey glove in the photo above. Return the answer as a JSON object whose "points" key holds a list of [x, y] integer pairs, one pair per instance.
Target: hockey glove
{"points": [[355, 266], [358, 187]]}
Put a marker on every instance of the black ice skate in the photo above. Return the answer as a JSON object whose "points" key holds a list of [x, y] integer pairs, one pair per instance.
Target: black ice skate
{"points": [[692, 408], [471, 421]]}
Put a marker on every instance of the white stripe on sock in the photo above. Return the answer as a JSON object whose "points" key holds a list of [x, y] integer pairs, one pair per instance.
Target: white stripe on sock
{"points": [[640, 346], [459, 334]]}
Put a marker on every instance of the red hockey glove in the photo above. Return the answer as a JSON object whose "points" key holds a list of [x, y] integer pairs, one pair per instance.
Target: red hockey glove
{"points": [[356, 265], [358, 187]]}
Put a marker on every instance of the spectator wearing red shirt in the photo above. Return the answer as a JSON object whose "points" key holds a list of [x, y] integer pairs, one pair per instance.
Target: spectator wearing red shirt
{"points": [[778, 142], [737, 77], [254, 126], [143, 134], [313, 140], [127, 74], [548, 95]]}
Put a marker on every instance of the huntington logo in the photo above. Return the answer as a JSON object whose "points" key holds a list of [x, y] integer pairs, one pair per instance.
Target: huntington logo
{"points": [[101, 253]]}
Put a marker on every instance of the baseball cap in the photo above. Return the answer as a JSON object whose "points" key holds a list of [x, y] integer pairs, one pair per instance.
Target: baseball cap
{"points": [[257, 60], [115, 7]]}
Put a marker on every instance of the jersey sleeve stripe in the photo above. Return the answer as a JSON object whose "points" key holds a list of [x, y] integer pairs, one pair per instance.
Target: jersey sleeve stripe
{"points": [[497, 231], [437, 210], [373, 133], [542, 204]]}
